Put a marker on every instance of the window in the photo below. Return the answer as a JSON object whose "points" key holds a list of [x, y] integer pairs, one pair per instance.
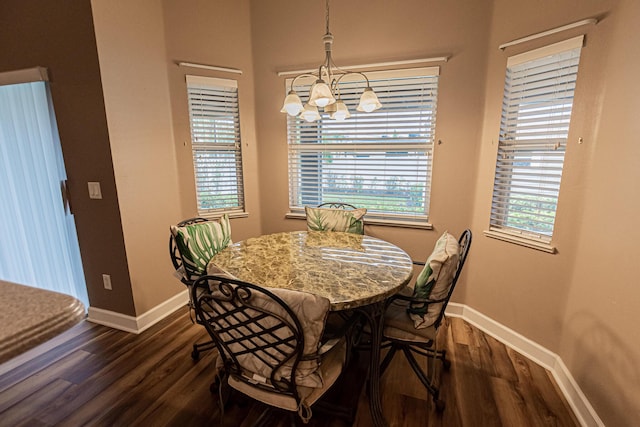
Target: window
{"points": [[215, 141], [536, 112], [381, 160]]}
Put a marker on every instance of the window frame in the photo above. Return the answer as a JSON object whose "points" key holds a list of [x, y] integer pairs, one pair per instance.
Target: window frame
{"points": [[348, 148], [549, 148], [228, 105]]}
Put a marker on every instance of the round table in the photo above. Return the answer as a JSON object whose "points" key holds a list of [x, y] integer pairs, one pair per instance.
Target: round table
{"points": [[351, 270]]}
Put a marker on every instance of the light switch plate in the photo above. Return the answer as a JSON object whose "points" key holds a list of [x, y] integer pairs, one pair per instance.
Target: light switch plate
{"points": [[94, 190], [106, 280]]}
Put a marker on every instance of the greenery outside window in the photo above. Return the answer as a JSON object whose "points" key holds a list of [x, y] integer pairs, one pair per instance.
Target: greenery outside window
{"points": [[536, 113], [380, 161], [215, 141]]}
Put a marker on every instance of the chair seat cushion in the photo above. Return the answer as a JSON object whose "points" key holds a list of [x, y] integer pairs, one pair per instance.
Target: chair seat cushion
{"points": [[398, 325], [435, 280], [199, 242], [312, 310], [330, 219], [330, 368]]}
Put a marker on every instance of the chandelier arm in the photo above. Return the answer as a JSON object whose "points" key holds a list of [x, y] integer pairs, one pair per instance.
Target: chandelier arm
{"points": [[336, 81], [327, 71], [301, 75], [323, 93]]}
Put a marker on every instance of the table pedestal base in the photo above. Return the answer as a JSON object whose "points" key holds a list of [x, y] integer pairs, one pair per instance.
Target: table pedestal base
{"points": [[374, 314]]}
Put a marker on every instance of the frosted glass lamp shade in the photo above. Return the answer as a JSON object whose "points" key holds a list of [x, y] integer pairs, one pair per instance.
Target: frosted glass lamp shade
{"points": [[341, 111], [321, 95], [368, 101], [292, 104], [310, 113]]}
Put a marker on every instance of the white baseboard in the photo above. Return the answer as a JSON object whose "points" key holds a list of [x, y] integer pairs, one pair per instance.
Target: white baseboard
{"points": [[142, 322], [581, 407]]}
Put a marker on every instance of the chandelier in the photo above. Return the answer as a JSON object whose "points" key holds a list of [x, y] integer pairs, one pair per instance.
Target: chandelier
{"points": [[325, 91]]}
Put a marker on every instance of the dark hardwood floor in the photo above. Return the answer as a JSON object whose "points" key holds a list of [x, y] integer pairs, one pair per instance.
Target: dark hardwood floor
{"points": [[95, 375]]}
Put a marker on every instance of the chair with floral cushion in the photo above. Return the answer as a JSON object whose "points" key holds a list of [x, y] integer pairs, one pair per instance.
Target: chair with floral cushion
{"points": [[192, 243], [265, 352], [335, 216], [412, 318]]}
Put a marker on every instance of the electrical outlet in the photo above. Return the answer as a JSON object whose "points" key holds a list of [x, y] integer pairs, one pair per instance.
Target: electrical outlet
{"points": [[106, 279]]}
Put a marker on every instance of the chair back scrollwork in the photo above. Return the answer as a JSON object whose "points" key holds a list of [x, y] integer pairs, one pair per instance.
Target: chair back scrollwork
{"points": [[259, 337]]}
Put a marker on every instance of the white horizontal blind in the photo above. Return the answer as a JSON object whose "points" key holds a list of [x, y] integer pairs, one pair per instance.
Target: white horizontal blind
{"points": [[215, 141], [536, 112], [381, 160]]}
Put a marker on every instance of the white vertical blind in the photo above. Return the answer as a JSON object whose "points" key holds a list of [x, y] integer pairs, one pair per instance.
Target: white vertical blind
{"points": [[381, 160], [39, 246], [215, 140], [536, 113]]}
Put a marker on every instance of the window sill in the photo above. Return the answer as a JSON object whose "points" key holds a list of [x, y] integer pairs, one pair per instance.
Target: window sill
{"points": [[374, 221], [522, 241]]}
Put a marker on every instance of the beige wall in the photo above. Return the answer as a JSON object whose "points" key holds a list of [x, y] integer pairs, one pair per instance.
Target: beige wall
{"points": [[511, 280], [578, 302], [139, 44], [287, 35], [60, 36], [133, 65], [213, 33], [600, 341]]}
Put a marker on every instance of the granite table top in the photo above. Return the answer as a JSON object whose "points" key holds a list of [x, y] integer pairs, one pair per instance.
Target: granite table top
{"points": [[351, 270], [29, 316]]}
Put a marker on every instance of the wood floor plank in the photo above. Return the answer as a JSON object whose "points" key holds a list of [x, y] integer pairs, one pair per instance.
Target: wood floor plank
{"points": [[513, 408], [70, 339], [190, 392], [33, 383], [123, 377], [534, 379], [98, 376], [477, 405], [22, 410]]}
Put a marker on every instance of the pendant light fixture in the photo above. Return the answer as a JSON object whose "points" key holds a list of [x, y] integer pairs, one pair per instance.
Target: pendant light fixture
{"points": [[325, 91]]}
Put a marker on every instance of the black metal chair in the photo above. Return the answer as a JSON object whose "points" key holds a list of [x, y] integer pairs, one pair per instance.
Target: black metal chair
{"points": [[176, 259], [336, 205], [400, 332], [265, 353], [335, 216], [344, 315]]}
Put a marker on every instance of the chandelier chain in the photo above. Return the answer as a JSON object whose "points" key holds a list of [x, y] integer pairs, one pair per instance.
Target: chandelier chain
{"points": [[325, 91], [327, 15]]}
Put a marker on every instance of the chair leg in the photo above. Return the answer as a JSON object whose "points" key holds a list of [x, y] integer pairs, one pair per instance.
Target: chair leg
{"points": [[419, 372], [198, 348], [423, 378], [429, 384], [435, 354], [387, 359], [221, 387]]}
